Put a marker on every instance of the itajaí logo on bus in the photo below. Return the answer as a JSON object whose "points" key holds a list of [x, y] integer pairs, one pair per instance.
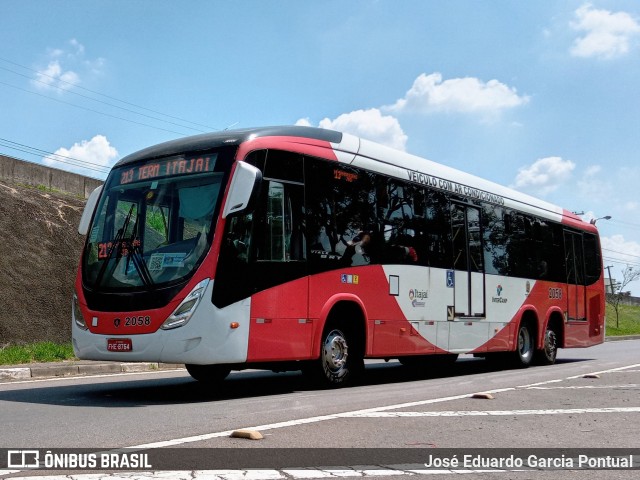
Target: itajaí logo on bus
{"points": [[499, 298], [417, 297]]}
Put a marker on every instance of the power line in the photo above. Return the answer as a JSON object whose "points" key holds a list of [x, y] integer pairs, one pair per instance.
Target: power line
{"points": [[54, 156], [621, 253], [625, 224], [73, 85], [88, 167], [92, 110], [100, 101], [621, 262], [40, 151]]}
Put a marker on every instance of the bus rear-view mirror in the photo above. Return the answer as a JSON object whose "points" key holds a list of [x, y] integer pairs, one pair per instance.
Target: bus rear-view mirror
{"points": [[85, 220], [244, 188]]}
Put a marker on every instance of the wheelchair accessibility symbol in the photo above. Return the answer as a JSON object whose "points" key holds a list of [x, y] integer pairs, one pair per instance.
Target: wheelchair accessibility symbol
{"points": [[450, 279]]}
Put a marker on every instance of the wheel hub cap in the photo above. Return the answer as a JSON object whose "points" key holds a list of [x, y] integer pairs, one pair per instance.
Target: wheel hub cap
{"points": [[335, 351]]}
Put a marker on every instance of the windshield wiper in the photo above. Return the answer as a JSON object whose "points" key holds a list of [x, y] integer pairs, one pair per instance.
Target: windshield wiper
{"points": [[116, 245], [136, 255]]}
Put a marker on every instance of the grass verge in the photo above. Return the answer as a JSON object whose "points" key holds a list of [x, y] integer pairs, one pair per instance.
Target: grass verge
{"points": [[628, 321], [35, 352]]}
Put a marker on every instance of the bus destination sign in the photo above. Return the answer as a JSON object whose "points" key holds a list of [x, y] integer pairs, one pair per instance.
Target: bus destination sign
{"points": [[168, 167]]}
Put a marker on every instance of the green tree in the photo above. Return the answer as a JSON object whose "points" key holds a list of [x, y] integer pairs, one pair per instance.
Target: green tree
{"points": [[614, 298]]}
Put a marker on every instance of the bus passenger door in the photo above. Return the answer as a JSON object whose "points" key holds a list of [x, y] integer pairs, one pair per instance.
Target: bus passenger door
{"points": [[280, 328], [574, 262], [468, 261]]}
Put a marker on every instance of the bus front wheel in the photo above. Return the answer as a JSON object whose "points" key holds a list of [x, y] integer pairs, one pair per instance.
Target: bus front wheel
{"points": [[208, 373], [340, 361]]}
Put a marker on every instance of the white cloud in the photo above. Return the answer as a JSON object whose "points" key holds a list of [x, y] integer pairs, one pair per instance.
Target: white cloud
{"points": [[592, 170], [77, 46], [54, 77], [621, 250], [429, 93], [620, 254], [594, 185], [605, 34], [544, 175], [61, 71], [98, 152], [370, 124]]}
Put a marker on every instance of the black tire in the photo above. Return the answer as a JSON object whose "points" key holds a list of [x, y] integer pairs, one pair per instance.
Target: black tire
{"points": [[208, 373], [435, 360], [341, 359], [525, 346], [498, 360], [414, 362], [547, 355], [444, 360], [416, 365]]}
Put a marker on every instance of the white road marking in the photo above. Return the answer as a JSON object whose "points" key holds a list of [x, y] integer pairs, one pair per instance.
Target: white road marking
{"points": [[586, 387], [376, 412], [547, 382], [304, 421], [363, 413], [488, 413], [611, 370], [301, 474], [84, 377]]}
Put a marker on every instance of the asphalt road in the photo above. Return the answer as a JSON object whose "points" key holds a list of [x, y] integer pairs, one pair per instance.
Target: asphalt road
{"points": [[536, 408]]}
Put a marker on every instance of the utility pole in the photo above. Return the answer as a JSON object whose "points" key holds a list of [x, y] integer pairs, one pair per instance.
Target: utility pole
{"points": [[608, 267]]}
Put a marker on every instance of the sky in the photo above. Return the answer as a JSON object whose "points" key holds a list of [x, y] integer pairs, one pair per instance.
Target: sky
{"points": [[543, 97]]}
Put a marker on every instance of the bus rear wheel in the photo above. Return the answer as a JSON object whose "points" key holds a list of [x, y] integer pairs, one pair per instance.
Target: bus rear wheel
{"points": [[525, 347], [547, 355], [208, 373]]}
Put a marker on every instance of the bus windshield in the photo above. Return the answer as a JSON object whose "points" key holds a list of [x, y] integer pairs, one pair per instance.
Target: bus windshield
{"points": [[154, 222]]}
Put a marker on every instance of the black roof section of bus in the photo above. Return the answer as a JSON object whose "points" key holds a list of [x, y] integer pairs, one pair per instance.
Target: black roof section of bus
{"points": [[208, 141]]}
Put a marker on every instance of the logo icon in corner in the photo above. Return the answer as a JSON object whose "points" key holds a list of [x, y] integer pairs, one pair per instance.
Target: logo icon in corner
{"points": [[116, 322], [499, 290], [23, 459]]}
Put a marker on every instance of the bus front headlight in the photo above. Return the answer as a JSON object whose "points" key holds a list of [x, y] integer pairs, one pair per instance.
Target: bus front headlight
{"points": [[182, 314], [77, 313]]}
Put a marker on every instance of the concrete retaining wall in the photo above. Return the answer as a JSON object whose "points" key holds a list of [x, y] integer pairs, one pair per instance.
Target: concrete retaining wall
{"points": [[631, 301], [21, 171]]}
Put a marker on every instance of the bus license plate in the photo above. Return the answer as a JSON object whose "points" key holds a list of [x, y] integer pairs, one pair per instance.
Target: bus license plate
{"points": [[119, 345]]}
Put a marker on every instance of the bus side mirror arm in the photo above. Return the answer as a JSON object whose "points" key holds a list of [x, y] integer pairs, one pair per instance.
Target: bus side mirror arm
{"points": [[244, 189], [90, 206]]}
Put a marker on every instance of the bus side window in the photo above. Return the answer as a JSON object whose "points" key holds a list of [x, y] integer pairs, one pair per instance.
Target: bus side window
{"points": [[280, 228], [593, 262], [494, 239], [438, 229], [237, 241]]}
